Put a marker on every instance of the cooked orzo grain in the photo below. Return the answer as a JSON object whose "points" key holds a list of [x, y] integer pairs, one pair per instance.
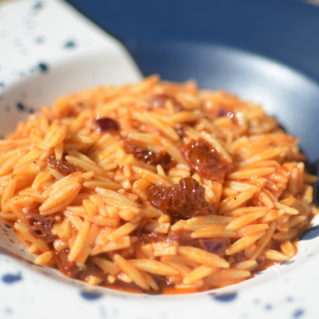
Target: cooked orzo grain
{"points": [[155, 187]]}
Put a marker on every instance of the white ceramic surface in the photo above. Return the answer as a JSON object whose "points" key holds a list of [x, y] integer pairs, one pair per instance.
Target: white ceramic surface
{"points": [[46, 50]]}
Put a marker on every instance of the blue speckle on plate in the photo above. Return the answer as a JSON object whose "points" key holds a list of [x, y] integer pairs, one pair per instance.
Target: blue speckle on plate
{"points": [[38, 5], [70, 44], [289, 262], [103, 312], [5, 231], [290, 299], [39, 40], [1, 84], [298, 313], [8, 311], [11, 278], [90, 296], [43, 67], [226, 297], [268, 307], [310, 233], [20, 106]]}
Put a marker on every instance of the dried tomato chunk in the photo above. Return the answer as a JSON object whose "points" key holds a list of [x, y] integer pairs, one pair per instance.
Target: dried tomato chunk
{"points": [[180, 131], [205, 160], [146, 155], [40, 226], [181, 200], [106, 124], [183, 238], [223, 112], [215, 245]]}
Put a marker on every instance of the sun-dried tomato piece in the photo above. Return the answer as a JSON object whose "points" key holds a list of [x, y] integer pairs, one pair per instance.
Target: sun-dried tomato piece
{"points": [[63, 166], [223, 112], [106, 124], [146, 155], [205, 160], [40, 226], [215, 246], [180, 131], [183, 238], [181, 200], [165, 160]]}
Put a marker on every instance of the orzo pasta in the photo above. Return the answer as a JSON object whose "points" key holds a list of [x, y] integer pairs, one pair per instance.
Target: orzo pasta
{"points": [[157, 187]]}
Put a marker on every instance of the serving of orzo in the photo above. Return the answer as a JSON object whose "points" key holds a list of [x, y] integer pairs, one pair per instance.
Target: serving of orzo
{"points": [[155, 187]]}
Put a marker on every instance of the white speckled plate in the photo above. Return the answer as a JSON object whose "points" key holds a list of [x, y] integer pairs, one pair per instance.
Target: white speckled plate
{"points": [[47, 49]]}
